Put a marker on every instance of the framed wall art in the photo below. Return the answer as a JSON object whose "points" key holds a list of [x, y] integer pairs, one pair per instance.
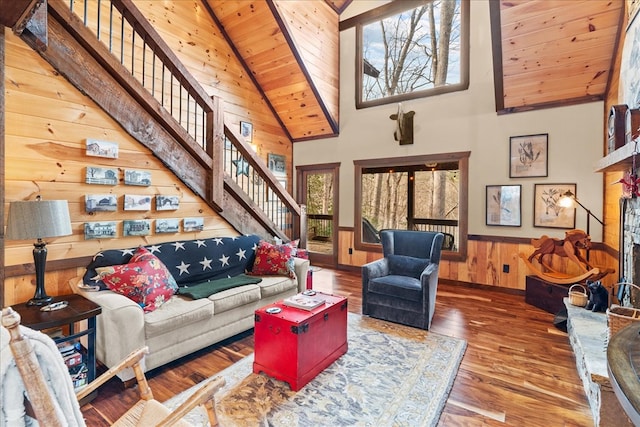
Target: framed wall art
{"points": [[167, 203], [136, 177], [137, 202], [167, 225], [102, 176], [99, 230], [100, 203], [136, 227], [504, 205], [98, 148], [246, 130], [528, 156], [547, 211], [277, 163], [192, 224]]}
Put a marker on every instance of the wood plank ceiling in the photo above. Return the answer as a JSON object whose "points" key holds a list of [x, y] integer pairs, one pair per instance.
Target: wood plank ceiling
{"points": [[553, 52], [298, 75], [547, 53]]}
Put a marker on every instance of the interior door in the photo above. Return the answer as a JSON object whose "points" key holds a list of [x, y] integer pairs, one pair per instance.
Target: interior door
{"points": [[318, 190]]}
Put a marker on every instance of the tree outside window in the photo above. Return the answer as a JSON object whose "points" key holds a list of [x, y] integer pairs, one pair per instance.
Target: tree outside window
{"points": [[417, 52], [427, 193]]}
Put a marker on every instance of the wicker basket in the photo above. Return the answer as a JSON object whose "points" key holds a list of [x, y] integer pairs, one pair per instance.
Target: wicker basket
{"points": [[578, 297], [619, 317]]}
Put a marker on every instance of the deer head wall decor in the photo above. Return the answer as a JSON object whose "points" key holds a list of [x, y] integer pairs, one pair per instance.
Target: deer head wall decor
{"points": [[404, 126]]}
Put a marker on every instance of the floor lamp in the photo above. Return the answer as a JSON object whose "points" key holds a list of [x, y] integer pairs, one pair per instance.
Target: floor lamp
{"points": [[38, 219], [567, 199]]}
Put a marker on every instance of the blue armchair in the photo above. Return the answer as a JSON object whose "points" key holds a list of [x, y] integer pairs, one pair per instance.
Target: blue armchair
{"points": [[401, 287]]}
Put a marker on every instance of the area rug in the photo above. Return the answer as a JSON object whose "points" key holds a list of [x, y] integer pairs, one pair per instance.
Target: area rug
{"points": [[391, 375]]}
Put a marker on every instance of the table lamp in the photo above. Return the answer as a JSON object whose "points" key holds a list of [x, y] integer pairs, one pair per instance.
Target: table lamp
{"points": [[38, 219]]}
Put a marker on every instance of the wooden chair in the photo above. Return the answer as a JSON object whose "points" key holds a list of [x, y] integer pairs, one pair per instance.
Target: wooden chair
{"points": [[146, 412]]}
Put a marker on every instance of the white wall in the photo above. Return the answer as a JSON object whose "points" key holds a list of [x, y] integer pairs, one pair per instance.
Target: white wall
{"points": [[466, 121]]}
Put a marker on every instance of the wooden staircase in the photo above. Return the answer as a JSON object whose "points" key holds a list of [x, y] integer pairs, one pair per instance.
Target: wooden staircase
{"points": [[112, 54]]}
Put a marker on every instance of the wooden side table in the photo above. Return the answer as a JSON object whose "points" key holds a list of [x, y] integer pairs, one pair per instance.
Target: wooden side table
{"points": [[79, 308]]}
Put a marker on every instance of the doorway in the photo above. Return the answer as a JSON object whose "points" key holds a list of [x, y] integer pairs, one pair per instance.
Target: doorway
{"points": [[318, 190]]}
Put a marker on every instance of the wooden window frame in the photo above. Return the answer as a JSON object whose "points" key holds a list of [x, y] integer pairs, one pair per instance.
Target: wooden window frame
{"points": [[394, 8], [461, 157]]}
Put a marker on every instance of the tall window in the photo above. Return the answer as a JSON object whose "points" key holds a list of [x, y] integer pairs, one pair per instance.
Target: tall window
{"points": [[412, 52], [426, 193]]}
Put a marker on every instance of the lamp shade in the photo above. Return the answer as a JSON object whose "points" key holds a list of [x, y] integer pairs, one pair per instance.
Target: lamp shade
{"points": [[37, 219]]}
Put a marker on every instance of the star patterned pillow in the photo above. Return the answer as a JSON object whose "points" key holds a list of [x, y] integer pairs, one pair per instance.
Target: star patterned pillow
{"points": [[144, 279]]}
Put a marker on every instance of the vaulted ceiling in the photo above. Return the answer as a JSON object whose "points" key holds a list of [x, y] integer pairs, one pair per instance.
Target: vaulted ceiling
{"points": [[546, 53], [553, 52]]}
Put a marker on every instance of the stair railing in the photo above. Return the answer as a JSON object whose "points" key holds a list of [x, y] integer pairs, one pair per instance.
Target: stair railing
{"points": [[131, 39]]}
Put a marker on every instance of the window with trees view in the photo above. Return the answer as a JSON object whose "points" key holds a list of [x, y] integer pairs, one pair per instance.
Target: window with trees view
{"points": [[412, 49], [426, 193]]}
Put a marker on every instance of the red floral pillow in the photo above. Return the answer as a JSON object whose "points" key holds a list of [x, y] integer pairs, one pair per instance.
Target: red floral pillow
{"points": [[145, 280], [273, 260]]}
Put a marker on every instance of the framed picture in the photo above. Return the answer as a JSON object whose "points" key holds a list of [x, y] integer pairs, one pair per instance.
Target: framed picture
{"points": [[192, 224], [528, 156], [136, 227], [504, 205], [102, 176], [167, 225], [99, 148], [277, 163], [137, 203], [99, 230], [246, 130], [136, 177], [167, 203], [547, 211], [100, 203]]}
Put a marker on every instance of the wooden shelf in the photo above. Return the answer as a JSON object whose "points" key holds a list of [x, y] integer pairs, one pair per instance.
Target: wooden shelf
{"points": [[619, 160]]}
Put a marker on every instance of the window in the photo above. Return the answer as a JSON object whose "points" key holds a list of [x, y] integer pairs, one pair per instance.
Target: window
{"points": [[426, 193], [405, 53]]}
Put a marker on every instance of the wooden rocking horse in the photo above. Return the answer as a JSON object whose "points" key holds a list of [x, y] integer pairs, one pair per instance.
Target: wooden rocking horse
{"points": [[569, 247]]}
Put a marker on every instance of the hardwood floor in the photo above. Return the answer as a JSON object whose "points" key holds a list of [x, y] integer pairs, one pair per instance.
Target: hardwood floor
{"points": [[518, 369]]}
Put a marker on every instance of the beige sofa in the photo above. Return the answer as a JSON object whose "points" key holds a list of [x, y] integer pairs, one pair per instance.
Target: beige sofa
{"points": [[182, 325]]}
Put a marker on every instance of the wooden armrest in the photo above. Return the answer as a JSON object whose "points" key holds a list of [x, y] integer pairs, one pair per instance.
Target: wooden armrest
{"points": [[131, 361], [203, 396]]}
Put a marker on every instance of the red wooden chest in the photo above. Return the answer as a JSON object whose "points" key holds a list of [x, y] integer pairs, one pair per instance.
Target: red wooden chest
{"points": [[295, 345]]}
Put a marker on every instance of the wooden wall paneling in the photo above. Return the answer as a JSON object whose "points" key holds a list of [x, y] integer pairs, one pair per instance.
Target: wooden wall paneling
{"points": [[199, 44], [281, 78], [318, 45], [484, 262], [2, 157], [49, 122], [612, 192]]}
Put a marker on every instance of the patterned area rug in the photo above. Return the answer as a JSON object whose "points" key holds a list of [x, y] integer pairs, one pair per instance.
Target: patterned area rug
{"points": [[392, 375]]}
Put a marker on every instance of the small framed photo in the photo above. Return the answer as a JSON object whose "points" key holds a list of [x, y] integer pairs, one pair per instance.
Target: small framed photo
{"points": [[102, 176], [167, 203], [97, 148], [504, 205], [136, 227], [167, 225], [136, 177], [528, 156], [547, 209], [100, 203], [246, 130], [99, 230], [277, 163], [137, 203], [192, 224]]}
